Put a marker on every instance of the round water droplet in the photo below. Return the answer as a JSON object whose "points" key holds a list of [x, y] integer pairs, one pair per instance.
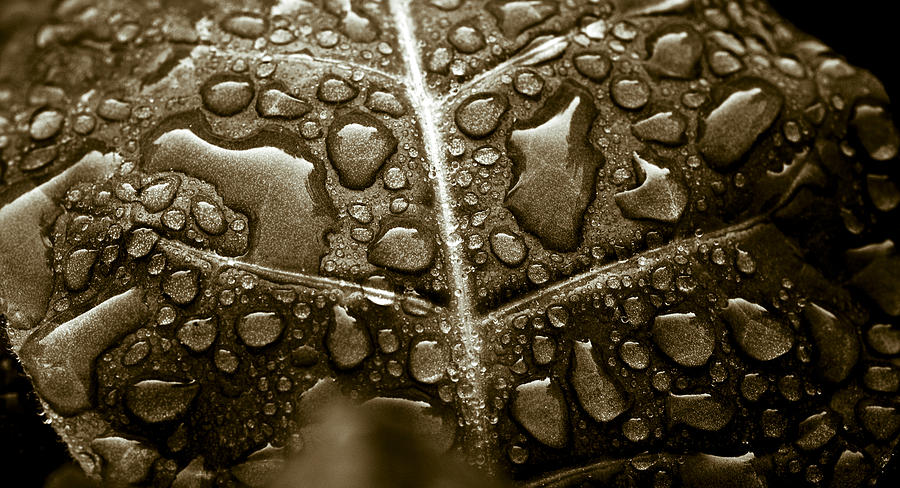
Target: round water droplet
{"points": [[227, 94], [466, 38], [259, 329], [593, 65], [479, 115], [403, 248], [428, 361], [46, 124], [336, 90], [630, 93]]}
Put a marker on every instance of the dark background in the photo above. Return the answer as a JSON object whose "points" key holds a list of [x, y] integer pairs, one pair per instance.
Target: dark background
{"points": [[865, 31]]}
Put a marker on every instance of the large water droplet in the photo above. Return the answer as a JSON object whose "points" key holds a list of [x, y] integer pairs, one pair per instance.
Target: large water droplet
{"points": [[428, 361], [259, 329], [699, 411], [479, 115], [79, 268], [126, 462], [274, 102], [659, 196], [539, 406], [756, 332], [747, 109], [404, 248], [598, 393], [554, 168], [358, 145], [155, 401], [675, 51], [348, 340], [245, 25], [509, 248], [227, 94], [60, 358], [199, 334], [686, 339], [835, 340], [514, 16], [271, 175], [665, 127]]}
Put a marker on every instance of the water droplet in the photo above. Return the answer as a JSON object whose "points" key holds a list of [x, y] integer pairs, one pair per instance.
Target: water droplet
{"points": [[348, 341], [883, 191], [155, 401], [273, 174], [882, 422], [884, 339], [634, 355], [543, 349], [479, 115], [675, 51], [683, 337], [60, 359], [336, 90], [428, 361], [466, 38], [227, 94], [593, 65], [509, 248], [439, 60], [404, 248], [658, 197], [358, 145], [260, 329], [816, 431], [159, 194], [630, 93], [79, 267], [835, 340], [664, 127], [198, 335], [384, 102], [46, 124], [126, 461], [757, 333], [244, 25], [598, 393], [273, 102], [181, 286], [528, 83], [261, 468], [353, 23], [538, 274], [723, 63], [876, 131], [749, 107], [554, 168], [114, 110], [699, 411], [394, 179], [514, 17], [226, 360], [635, 430], [540, 408], [208, 217]]}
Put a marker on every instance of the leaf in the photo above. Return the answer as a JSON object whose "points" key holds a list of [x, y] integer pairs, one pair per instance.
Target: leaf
{"points": [[528, 228]]}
